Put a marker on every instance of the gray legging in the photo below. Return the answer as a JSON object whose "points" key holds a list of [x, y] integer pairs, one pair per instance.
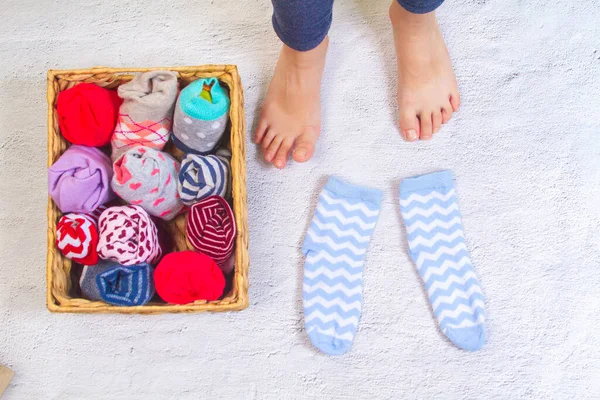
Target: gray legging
{"points": [[303, 24]]}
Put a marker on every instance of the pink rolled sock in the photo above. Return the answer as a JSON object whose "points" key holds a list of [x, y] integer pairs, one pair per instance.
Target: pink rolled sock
{"points": [[128, 236]]}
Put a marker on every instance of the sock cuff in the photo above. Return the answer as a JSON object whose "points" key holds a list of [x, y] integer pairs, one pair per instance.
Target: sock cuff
{"points": [[348, 190], [427, 182]]}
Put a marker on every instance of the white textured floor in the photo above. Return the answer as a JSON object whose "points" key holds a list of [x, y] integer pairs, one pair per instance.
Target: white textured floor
{"points": [[524, 149]]}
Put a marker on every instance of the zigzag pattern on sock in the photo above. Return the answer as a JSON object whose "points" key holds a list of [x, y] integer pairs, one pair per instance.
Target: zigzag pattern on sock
{"points": [[436, 242], [335, 247]]}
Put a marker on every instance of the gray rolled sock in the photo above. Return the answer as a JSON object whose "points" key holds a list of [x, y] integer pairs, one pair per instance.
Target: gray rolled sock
{"points": [[146, 115], [201, 116], [148, 178]]}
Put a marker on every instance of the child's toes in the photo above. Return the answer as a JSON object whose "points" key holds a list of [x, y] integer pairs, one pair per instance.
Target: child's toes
{"points": [[436, 120], [446, 113], [409, 125], [455, 100], [267, 139], [305, 145], [260, 131], [283, 153], [271, 151], [426, 125]]}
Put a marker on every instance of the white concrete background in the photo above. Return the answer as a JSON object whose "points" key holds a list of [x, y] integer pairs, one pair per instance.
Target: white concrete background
{"points": [[524, 149]]}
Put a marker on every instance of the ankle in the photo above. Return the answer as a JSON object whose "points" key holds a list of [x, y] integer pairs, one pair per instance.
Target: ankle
{"points": [[306, 59], [401, 18]]}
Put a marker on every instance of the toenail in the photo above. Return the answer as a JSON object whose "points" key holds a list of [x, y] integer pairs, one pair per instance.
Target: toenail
{"points": [[300, 153], [411, 134], [269, 156]]}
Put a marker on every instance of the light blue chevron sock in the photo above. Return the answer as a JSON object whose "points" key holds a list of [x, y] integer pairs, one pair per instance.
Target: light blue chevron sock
{"points": [[335, 248], [437, 246]]}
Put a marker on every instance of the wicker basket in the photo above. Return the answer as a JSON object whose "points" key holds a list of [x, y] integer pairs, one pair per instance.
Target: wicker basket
{"points": [[61, 294]]}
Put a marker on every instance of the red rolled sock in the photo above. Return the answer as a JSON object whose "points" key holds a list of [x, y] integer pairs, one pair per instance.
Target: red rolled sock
{"points": [[87, 114], [186, 276]]}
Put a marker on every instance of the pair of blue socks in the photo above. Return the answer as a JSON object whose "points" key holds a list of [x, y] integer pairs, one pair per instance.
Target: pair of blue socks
{"points": [[336, 244]]}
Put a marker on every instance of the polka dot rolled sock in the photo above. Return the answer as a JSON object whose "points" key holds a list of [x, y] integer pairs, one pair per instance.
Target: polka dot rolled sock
{"points": [[210, 229], [437, 246], [148, 178], [128, 236], [79, 181], [201, 116], [77, 236], [186, 276], [146, 116], [87, 114], [117, 284], [335, 248], [203, 176]]}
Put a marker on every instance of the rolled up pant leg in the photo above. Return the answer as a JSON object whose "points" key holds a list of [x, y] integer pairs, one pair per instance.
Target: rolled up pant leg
{"points": [[420, 6], [302, 24]]}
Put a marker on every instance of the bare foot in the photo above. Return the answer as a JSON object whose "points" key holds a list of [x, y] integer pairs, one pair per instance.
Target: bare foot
{"points": [[291, 116], [427, 91]]}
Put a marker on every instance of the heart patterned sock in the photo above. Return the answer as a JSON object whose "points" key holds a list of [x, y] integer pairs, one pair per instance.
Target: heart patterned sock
{"points": [[128, 236], [148, 178]]}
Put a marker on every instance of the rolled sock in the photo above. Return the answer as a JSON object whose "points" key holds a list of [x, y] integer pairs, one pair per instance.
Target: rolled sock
{"points": [[77, 236], [210, 228], [335, 248], [117, 284], [79, 181], [203, 176], [87, 281], [201, 116], [186, 276], [128, 236], [87, 114], [437, 246], [148, 178], [146, 115]]}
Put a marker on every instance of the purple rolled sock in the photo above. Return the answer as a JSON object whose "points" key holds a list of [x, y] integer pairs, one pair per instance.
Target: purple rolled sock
{"points": [[79, 181]]}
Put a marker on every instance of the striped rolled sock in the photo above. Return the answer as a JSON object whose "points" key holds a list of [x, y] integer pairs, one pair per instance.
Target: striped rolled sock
{"points": [[210, 229], [97, 212], [335, 247], [437, 246], [203, 176], [117, 284]]}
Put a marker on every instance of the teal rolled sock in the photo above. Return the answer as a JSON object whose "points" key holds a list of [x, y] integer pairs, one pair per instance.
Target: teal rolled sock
{"points": [[201, 116]]}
